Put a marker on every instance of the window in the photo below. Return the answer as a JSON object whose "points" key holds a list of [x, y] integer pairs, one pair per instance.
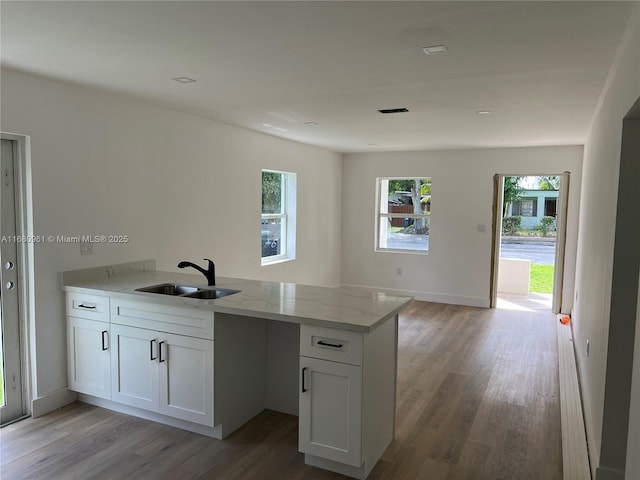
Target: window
{"points": [[527, 207], [404, 214], [278, 216]]}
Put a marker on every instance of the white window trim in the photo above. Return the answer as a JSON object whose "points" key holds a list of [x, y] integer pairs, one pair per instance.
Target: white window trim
{"points": [[287, 217], [380, 215]]}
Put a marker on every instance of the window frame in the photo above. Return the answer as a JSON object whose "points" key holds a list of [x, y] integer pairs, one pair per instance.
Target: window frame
{"points": [[287, 217], [518, 206], [382, 213]]}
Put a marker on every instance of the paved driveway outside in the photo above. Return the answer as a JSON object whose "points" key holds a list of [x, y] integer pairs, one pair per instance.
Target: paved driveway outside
{"points": [[538, 254]]}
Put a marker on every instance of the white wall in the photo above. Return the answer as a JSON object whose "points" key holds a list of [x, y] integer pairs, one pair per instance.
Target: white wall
{"points": [[181, 187], [457, 268], [596, 239]]}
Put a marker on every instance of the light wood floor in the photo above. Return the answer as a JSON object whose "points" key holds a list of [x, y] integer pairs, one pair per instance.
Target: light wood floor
{"points": [[477, 399]]}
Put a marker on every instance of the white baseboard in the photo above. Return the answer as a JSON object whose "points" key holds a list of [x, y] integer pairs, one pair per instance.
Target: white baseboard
{"points": [[52, 401], [575, 458], [431, 296]]}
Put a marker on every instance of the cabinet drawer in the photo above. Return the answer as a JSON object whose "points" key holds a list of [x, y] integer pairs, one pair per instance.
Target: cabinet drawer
{"points": [[331, 344], [84, 305], [164, 318]]}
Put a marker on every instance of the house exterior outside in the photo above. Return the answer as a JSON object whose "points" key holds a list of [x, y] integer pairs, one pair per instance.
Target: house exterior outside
{"points": [[533, 205]]}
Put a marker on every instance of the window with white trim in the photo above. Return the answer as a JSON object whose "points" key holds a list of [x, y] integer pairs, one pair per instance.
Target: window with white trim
{"points": [[403, 214], [278, 220], [526, 207]]}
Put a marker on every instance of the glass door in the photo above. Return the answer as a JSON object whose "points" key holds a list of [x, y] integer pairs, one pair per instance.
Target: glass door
{"points": [[11, 391]]}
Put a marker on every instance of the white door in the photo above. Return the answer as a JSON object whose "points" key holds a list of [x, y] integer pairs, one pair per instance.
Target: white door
{"points": [[11, 389], [89, 357], [330, 410], [186, 378], [134, 367]]}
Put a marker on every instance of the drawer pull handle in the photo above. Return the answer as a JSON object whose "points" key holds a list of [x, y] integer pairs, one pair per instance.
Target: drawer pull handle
{"points": [[151, 342], [304, 388], [160, 352], [105, 345], [333, 345], [90, 307]]}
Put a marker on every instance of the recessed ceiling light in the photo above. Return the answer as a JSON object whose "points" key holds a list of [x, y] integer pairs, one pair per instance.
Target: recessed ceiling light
{"points": [[311, 124], [483, 112], [184, 79], [433, 49]]}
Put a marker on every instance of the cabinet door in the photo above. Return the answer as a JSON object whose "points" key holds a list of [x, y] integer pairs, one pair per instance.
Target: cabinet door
{"points": [[186, 378], [330, 410], [88, 356], [134, 367]]}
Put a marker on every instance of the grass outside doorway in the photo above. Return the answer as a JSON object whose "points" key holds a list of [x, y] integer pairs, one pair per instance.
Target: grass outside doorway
{"points": [[541, 279]]}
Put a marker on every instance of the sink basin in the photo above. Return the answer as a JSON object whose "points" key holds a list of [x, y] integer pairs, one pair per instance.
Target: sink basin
{"points": [[168, 289], [210, 294], [207, 293]]}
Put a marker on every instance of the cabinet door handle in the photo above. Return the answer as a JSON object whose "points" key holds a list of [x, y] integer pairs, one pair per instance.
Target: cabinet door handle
{"points": [[151, 342], [333, 345], [304, 388], [89, 307], [105, 345], [160, 352]]}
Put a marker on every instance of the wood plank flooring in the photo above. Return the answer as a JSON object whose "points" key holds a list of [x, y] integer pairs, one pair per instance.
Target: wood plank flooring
{"points": [[478, 398]]}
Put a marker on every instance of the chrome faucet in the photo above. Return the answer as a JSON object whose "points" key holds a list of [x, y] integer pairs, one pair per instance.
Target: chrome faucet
{"points": [[210, 272]]}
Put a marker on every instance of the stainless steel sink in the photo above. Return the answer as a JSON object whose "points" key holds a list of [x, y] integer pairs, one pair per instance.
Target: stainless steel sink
{"points": [[208, 293], [168, 289]]}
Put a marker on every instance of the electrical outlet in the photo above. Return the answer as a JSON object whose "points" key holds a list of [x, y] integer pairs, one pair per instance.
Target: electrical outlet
{"points": [[482, 228], [86, 248], [588, 345], [399, 271]]}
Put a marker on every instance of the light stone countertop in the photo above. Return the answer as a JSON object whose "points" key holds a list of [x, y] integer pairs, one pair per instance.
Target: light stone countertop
{"points": [[354, 309]]}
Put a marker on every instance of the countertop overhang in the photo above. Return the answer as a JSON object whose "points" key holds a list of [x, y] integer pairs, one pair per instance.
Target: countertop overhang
{"points": [[345, 308]]}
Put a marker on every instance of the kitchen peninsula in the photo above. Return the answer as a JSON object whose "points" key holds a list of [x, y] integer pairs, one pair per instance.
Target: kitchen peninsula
{"points": [[328, 355]]}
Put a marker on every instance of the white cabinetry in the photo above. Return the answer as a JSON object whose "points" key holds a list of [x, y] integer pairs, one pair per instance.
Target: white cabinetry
{"points": [[150, 356], [162, 372], [88, 339], [347, 396], [156, 360], [158, 370], [134, 366], [330, 410], [185, 383]]}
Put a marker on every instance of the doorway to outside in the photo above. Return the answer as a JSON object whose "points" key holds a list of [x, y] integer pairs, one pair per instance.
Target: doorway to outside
{"points": [[12, 280], [529, 242]]}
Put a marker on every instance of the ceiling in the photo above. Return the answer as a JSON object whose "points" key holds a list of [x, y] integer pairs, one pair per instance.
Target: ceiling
{"points": [[538, 67]]}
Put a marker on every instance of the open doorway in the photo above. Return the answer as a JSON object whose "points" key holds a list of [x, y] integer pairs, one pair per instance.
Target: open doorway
{"points": [[529, 234]]}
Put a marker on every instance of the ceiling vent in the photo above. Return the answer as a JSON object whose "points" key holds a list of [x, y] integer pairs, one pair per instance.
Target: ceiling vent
{"points": [[184, 79], [434, 49], [393, 110]]}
